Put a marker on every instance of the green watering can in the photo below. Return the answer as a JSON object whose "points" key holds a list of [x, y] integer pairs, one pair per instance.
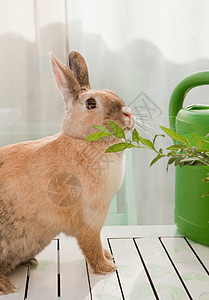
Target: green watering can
{"points": [[191, 209]]}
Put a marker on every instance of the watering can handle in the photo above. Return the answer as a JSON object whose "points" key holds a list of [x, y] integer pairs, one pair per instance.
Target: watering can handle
{"points": [[180, 92]]}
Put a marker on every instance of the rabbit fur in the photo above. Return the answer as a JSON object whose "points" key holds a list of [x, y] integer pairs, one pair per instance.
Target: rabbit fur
{"points": [[62, 183]]}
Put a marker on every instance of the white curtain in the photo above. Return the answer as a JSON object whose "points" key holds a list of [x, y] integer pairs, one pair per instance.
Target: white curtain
{"points": [[139, 49], [30, 105]]}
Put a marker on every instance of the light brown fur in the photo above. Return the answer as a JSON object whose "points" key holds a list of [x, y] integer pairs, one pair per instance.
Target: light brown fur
{"points": [[54, 184]]}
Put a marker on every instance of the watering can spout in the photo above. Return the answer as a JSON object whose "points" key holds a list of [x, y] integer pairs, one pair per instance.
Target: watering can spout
{"points": [[180, 92]]}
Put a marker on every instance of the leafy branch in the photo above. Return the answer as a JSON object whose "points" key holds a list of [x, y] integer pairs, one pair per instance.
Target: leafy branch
{"points": [[193, 152]]}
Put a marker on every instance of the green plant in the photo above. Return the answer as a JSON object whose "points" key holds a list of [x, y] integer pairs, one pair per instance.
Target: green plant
{"points": [[186, 153]]}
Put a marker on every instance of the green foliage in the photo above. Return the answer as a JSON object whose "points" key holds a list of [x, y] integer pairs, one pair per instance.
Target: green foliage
{"points": [[97, 136], [117, 130], [102, 128], [183, 154], [175, 136], [119, 147], [159, 156], [146, 143], [135, 136]]}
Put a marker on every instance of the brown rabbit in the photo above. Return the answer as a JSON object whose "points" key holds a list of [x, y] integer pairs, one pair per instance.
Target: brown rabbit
{"points": [[62, 183]]}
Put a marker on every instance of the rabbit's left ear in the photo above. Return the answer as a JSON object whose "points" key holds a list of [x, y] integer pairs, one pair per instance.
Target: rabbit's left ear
{"points": [[64, 78], [79, 68]]}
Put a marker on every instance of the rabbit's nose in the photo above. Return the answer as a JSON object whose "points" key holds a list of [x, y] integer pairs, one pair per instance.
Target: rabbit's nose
{"points": [[131, 118], [127, 115], [127, 111]]}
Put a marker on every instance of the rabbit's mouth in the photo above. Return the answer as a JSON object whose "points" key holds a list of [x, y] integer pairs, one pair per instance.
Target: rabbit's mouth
{"points": [[129, 118]]}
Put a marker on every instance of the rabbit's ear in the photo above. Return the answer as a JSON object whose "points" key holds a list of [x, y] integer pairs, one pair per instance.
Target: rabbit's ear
{"points": [[64, 79], [79, 68]]}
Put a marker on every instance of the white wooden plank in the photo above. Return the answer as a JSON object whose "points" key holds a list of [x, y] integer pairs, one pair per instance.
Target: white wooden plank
{"points": [[202, 251], [74, 281], [191, 271], [18, 278], [134, 281], [43, 278], [141, 231], [164, 277], [104, 287]]}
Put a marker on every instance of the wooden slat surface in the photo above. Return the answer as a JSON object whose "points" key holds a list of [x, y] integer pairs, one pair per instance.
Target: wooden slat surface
{"points": [[74, 283], [43, 278], [132, 276], [154, 262], [161, 271], [141, 231], [201, 251], [194, 276]]}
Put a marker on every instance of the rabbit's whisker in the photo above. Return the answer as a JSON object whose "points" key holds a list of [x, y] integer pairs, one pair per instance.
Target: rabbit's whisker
{"points": [[141, 128], [151, 127]]}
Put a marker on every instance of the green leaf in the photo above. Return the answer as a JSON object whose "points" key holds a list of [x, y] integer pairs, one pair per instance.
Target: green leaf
{"points": [[175, 147], [101, 128], [205, 156], [180, 151], [171, 153], [178, 161], [135, 136], [171, 160], [146, 142], [207, 194], [206, 179], [175, 136], [155, 159], [117, 130], [190, 159], [194, 135], [194, 150], [155, 137], [198, 143], [118, 147], [97, 136]]}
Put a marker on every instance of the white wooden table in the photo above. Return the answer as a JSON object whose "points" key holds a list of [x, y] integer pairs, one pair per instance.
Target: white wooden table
{"points": [[154, 262]]}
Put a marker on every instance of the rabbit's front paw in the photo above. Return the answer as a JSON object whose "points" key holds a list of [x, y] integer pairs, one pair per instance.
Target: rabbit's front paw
{"points": [[105, 267], [108, 255], [6, 287]]}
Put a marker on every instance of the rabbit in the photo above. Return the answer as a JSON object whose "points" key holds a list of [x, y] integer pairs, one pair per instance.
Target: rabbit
{"points": [[62, 183]]}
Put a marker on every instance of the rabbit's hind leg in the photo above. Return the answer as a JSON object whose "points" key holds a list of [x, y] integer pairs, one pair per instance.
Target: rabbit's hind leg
{"points": [[6, 287], [30, 262]]}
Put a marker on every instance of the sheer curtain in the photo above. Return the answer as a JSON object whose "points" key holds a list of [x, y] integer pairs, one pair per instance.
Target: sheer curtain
{"points": [[30, 105], [139, 49]]}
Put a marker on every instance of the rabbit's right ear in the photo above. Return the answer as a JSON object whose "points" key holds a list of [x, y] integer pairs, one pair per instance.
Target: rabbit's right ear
{"points": [[79, 68], [64, 79]]}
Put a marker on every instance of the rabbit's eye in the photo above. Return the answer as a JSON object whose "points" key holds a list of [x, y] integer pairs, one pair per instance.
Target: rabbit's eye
{"points": [[90, 103]]}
